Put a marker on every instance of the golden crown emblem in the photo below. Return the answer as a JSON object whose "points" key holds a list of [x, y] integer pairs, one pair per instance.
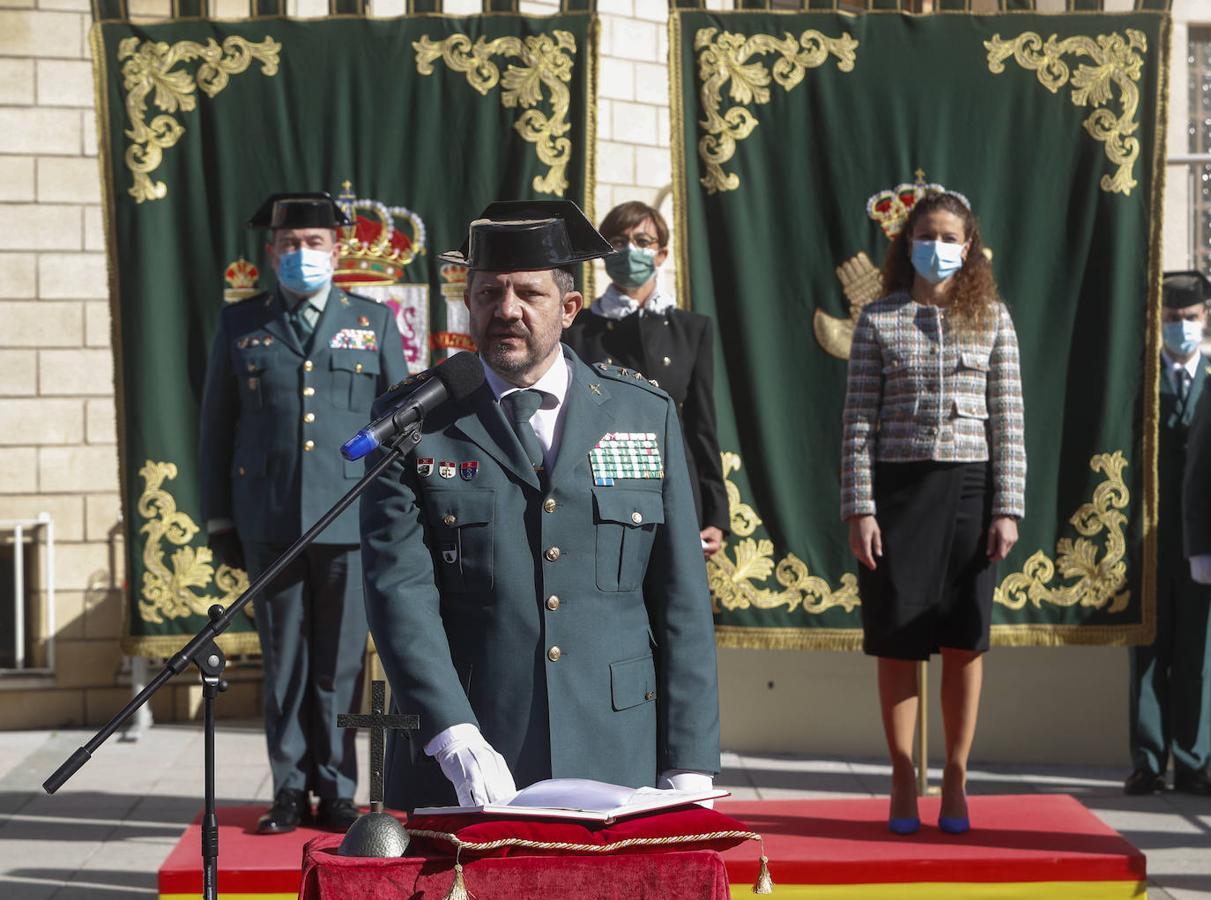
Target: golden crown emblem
{"points": [[890, 208], [241, 277], [373, 251], [454, 280]]}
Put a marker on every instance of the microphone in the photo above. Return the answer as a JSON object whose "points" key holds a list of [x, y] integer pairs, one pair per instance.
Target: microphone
{"points": [[455, 379]]}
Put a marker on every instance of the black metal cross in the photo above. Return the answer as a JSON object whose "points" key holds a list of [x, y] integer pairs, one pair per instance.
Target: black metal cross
{"points": [[378, 723]]}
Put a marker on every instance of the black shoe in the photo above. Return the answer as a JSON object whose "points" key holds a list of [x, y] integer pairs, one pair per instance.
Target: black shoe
{"points": [[288, 811], [1141, 781], [1192, 781], [337, 814]]}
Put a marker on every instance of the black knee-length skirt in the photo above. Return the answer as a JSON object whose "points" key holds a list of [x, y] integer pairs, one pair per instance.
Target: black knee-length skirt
{"points": [[932, 587]]}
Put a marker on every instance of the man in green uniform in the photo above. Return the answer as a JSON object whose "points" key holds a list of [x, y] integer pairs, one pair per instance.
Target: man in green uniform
{"points": [[1171, 679], [293, 372], [534, 576]]}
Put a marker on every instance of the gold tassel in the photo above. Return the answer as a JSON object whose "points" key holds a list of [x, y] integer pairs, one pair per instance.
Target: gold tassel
{"points": [[764, 885], [458, 890]]}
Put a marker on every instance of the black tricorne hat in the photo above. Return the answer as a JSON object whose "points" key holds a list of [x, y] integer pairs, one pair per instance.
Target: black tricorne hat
{"points": [[1182, 289], [307, 210], [529, 235]]}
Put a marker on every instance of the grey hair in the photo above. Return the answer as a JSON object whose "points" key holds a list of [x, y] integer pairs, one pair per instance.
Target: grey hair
{"points": [[564, 280]]}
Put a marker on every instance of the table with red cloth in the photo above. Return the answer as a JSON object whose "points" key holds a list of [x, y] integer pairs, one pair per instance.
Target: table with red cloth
{"points": [[682, 873]]}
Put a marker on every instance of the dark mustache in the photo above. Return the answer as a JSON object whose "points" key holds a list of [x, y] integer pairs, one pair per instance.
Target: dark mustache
{"points": [[519, 332]]}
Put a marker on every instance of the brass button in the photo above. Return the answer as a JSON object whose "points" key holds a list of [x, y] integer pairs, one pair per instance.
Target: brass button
{"points": [[636, 517], [251, 367], [357, 368], [553, 603], [309, 418], [548, 505], [650, 695], [241, 470], [449, 519], [609, 361], [667, 361], [609, 326], [552, 553], [308, 392], [309, 446], [553, 654], [308, 366]]}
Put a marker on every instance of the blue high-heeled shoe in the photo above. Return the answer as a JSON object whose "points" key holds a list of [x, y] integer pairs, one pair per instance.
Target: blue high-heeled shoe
{"points": [[906, 825], [954, 824]]}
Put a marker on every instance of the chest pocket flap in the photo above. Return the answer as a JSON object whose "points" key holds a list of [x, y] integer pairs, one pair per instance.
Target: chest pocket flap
{"points": [[971, 359], [453, 509], [629, 507], [357, 361], [463, 542]]}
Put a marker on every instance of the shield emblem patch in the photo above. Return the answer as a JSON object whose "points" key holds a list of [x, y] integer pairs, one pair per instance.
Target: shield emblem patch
{"points": [[450, 555], [424, 466], [469, 470], [446, 468]]}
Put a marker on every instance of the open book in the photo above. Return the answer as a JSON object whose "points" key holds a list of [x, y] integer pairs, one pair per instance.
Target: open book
{"points": [[580, 798]]}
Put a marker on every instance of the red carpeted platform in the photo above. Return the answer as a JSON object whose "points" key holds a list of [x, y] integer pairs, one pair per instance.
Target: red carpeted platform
{"points": [[1020, 846]]}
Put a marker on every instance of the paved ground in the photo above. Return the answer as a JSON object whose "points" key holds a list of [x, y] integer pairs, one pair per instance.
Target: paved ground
{"points": [[105, 834]]}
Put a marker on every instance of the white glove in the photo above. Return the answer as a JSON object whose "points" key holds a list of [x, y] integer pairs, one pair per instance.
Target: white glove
{"points": [[687, 780], [479, 774], [1200, 568]]}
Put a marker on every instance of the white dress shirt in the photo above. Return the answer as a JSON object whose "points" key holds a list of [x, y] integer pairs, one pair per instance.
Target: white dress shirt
{"points": [[1181, 375]]}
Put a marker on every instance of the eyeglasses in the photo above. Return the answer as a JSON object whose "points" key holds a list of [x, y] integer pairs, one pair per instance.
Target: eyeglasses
{"points": [[642, 241]]}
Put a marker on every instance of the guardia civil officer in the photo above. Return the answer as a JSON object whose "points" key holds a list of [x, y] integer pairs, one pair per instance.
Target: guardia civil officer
{"points": [[534, 578], [293, 372], [634, 324], [1170, 679]]}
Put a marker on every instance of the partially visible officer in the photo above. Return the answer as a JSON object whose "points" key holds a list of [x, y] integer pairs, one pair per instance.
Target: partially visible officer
{"points": [[634, 325], [1171, 679], [534, 577], [292, 374]]}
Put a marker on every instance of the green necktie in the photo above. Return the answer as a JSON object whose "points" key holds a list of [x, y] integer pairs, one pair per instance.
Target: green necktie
{"points": [[301, 323], [520, 406]]}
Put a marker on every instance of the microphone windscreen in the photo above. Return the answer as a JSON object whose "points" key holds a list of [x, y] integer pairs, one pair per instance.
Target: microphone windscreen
{"points": [[462, 374]]}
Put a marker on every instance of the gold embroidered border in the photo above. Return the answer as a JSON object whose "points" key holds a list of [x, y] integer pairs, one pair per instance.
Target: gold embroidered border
{"points": [[175, 589], [546, 63], [1100, 582], [734, 581], [723, 57], [1117, 62], [149, 67]]}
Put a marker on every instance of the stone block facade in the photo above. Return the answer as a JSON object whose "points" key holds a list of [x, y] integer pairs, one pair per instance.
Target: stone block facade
{"points": [[58, 451]]}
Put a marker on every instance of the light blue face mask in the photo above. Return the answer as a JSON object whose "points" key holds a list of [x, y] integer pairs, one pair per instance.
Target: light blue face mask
{"points": [[305, 271], [1182, 338], [936, 261]]}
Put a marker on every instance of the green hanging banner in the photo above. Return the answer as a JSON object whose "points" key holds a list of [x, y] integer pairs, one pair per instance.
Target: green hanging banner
{"points": [[801, 140], [414, 124]]}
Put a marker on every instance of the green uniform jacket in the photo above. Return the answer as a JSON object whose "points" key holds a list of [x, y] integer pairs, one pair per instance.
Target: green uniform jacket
{"points": [[1196, 490], [274, 416], [572, 625]]}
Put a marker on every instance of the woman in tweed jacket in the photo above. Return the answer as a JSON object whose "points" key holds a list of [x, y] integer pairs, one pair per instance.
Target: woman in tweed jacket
{"points": [[933, 478]]}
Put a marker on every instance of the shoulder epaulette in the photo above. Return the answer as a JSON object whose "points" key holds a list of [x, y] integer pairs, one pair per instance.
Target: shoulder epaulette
{"points": [[361, 297], [629, 376], [248, 301]]}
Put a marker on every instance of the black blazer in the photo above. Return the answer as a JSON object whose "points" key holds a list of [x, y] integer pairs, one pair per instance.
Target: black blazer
{"points": [[677, 350]]}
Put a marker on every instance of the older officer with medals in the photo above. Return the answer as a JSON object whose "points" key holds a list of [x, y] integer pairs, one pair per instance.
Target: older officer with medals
{"points": [[1171, 678], [534, 579], [291, 374]]}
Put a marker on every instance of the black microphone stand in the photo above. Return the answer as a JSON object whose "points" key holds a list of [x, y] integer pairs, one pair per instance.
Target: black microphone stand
{"points": [[203, 651]]}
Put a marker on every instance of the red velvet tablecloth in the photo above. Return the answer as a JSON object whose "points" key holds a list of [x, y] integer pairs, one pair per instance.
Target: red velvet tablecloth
{"points": [[697, 874]]}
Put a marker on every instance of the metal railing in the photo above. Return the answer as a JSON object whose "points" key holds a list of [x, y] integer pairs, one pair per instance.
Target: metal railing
{"points": [[18, 533]]}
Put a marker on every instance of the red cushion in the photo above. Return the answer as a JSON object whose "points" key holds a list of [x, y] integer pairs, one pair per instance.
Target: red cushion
{"points": [[688, 828]]}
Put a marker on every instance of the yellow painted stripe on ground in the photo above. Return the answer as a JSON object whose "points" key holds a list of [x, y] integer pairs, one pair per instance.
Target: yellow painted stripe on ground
{"points": [[959, 890], [227, 895]]}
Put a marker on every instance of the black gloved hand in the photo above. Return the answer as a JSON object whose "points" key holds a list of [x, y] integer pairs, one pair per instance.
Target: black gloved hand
{"points": [[227, 548]]}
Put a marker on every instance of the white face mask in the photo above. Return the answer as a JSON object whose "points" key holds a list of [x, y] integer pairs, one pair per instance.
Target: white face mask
{"points": [[305, 271], [936, 261]]}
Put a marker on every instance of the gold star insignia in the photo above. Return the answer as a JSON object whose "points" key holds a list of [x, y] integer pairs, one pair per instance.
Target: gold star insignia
{"points": [[596, 389]]}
